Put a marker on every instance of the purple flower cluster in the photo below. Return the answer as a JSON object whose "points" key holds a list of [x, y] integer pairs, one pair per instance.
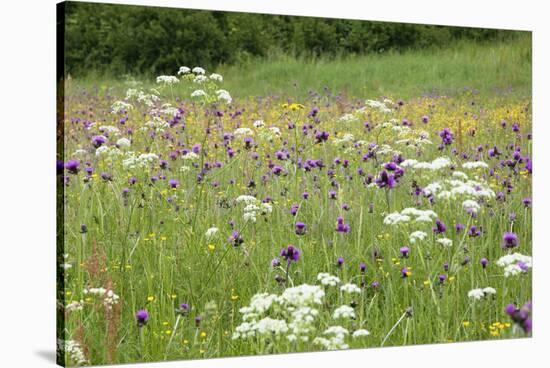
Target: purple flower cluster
{"points": [[521, 316]]}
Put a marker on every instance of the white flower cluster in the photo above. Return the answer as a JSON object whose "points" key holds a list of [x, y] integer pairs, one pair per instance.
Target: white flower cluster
{"points": [[437, 164], [346, 138], [224, 96], [148, 99], [198, 93], [254, 207], [417, 236], [360, 333], [184, 70], [452, 188], [303, 295], [108, 295], [299, 304], [75, 306], [167, 79], [348, 118], [158, 125], [327, 279], [139, 162], [515, 264], [381, 106], [445, 242], [107, 151], [200, 79], [478, 294], [123, 143], [471, 206], [110, 129], [344, 311], [73, 350], [296, 302], [268, 134], [190, 156], [119, 106], [335, 340], [211, 232], [241, 132], [216, 77], [198, 70], [475, 165], [350, 288], [408, 214]]}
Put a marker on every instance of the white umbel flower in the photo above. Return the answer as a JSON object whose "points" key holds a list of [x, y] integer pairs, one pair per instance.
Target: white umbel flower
{"points": [[344, 311], [360, 333], [198, 70], [350, 288]]}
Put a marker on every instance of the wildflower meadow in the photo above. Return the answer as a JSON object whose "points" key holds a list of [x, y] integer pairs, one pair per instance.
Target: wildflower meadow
{"points": [[196, 224]]}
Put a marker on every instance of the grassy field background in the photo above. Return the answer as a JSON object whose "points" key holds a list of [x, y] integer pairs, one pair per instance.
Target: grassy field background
{"points": [[485, 68]]}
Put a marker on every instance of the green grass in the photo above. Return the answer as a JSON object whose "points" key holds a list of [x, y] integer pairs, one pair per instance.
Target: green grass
{"points": [[489, 68], [148, 242]]}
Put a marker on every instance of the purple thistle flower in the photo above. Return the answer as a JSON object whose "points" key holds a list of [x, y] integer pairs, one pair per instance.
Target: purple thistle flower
{"points": [[439, 227], [72, 166], [305, 195], [142, 316], [198, 320], [290, 253], [446, 136], [173, 183], [509, 240], [339, 261], [446, 266], [442, 278], [235, 238], [332, 194], [484, 262], [474, 231], [275, 262], [278, 170], [425, 119], [342, 227], [385, 180], [300, 228], [183, 309], [405, 272], [375, 284], [526, 202], [321, 137], [459, 227], [98, 140], [106, 176], [404, 252], [362, 267]]}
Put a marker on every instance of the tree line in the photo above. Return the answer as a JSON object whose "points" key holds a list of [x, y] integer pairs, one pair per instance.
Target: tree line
{"points": [[123, 39]]}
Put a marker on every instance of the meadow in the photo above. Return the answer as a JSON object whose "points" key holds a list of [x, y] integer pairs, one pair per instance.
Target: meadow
{"points": [[297, 205]]}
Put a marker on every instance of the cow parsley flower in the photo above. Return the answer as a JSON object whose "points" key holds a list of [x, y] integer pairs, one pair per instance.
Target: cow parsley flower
{"points": [[327, 279], [184, 70], [198, 70], [211, 232], [445, 242], [417, 236], [350, 288], [478, 294], [360, 333], [198, 93], [167, 79], [216, 77], [344, 311]]}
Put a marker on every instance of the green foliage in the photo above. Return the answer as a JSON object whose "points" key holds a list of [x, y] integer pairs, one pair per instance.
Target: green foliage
{"points": [[121, 39]]}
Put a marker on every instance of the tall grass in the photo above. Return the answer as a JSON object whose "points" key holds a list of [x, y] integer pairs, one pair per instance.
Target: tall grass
{"points": [[488, 68]]}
